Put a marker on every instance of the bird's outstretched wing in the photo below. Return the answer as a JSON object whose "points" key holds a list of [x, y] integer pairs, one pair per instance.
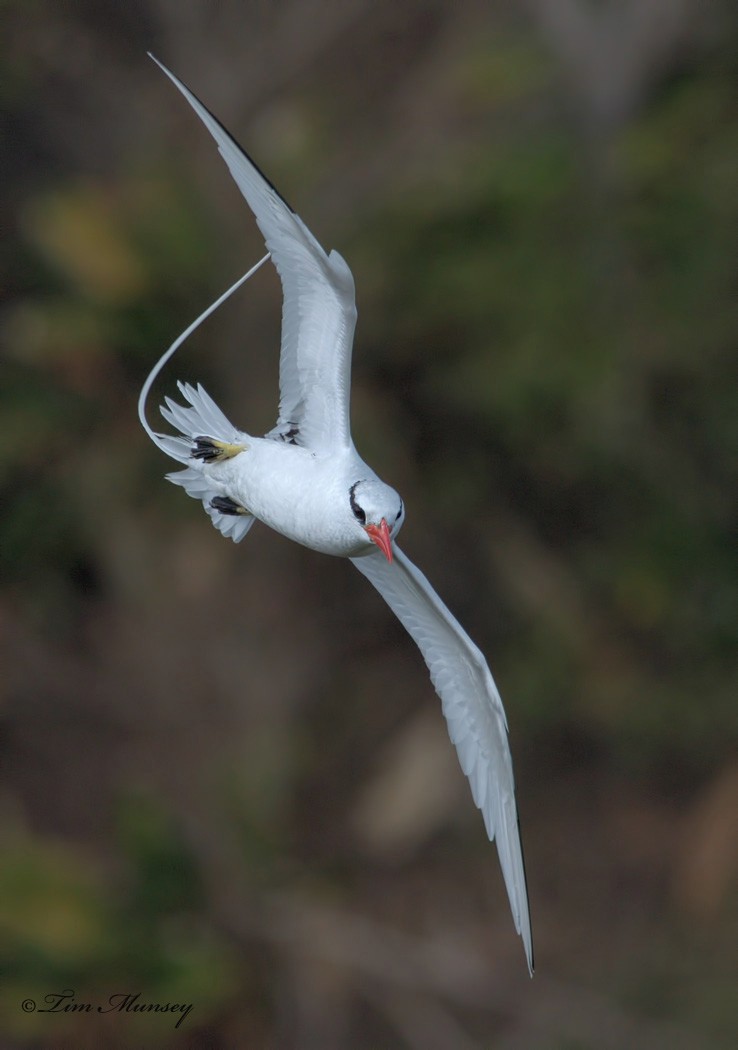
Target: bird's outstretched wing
{"points": [[319, 311], [473, 710]]}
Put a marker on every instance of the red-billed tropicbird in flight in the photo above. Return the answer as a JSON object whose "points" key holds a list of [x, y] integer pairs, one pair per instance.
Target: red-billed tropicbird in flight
{"points": [[306, 480]]}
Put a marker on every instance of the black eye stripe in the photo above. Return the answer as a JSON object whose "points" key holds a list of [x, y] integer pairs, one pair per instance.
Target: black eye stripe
{"points": [[358, 512]]}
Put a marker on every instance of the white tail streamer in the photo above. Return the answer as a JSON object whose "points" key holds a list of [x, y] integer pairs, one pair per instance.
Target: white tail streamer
{"points": [[160, 439]]}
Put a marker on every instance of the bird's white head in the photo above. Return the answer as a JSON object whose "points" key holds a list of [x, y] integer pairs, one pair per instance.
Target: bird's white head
{"points": [[378, 512]]}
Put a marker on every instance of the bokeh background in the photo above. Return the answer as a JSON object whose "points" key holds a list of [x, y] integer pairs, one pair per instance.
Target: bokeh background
{"points": [[225, 777]]}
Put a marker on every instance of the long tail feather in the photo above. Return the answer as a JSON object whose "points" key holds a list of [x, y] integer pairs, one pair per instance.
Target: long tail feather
{"points": [[163, 441], [201, 417]]}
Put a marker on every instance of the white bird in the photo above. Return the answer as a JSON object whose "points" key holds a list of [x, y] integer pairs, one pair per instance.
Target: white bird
{"points": [[306, 480]]}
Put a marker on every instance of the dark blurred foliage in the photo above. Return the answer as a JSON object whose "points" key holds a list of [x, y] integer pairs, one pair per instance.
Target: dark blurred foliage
{"points": [[225, 776]]}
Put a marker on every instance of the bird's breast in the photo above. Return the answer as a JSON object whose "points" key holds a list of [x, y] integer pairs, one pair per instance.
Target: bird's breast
{"points": [[297, 493]]}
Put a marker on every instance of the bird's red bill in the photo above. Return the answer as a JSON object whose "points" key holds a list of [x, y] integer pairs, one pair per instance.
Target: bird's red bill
{"points": [[380, 534]]}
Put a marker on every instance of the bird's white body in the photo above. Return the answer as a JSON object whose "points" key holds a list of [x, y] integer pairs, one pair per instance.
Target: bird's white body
{"points": [[296, 492], [305, 480]]}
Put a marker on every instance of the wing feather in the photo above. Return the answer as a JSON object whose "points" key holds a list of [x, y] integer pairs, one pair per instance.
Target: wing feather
{"points": [[473, 710], [318, 313]]}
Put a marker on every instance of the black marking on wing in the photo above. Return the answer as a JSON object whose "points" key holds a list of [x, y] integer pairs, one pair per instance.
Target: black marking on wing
{"points": [[288, 432], [238, 146], [532, 962], [226, 505]]}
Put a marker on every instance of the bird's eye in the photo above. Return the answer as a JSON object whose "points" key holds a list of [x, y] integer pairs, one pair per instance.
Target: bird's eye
{"points": [[399, 513]]}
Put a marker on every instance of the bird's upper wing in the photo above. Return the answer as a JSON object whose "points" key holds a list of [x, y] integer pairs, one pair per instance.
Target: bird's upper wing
{"points": [[319, 311], [473, 710]]}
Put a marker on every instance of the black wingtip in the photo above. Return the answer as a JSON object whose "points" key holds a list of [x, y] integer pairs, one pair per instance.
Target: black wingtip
{"points": [[223, 128], [531, 960]]}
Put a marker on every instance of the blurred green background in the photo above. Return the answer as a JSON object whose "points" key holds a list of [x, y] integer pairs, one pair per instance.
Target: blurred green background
{"points": [[225, 777]]}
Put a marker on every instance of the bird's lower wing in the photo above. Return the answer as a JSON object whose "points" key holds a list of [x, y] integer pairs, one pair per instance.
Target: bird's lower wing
{"points": [[473, 711]]}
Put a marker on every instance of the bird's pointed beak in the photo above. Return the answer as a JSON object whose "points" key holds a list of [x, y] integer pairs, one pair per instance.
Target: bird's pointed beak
{"points": [[380, 534]]}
